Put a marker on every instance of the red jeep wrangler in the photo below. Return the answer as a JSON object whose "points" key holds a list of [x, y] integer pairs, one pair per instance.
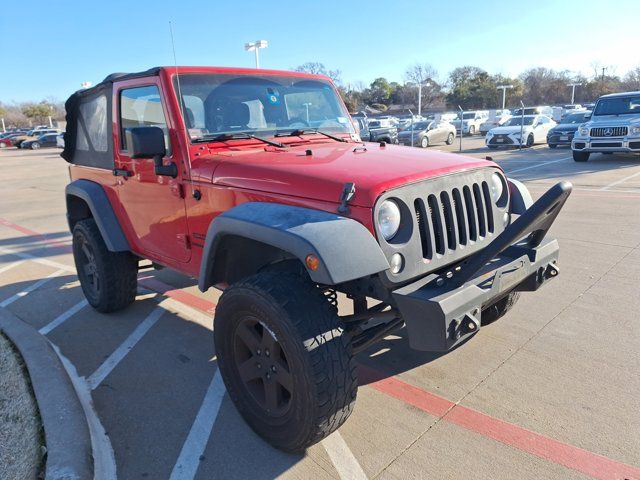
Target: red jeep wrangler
{"points": [[256, 182]]}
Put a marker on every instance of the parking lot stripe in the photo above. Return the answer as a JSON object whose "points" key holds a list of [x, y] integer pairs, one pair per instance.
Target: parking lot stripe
{"points": [[10, 266], [530, 167], [41, 237], [31, 288], [342, 458], [60, 319], [575, 458], [119, 353], [40, 260], [180, 295], [188, 461], [613, 184]]}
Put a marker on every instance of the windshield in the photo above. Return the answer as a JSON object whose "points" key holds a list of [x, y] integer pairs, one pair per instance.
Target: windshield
{"points": [[418, 126], [217, 104], [517, 121], [618, 106], [574, 118]]}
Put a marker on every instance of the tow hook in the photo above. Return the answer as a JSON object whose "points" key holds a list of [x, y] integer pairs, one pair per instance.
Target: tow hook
{"points": [[551, 271], [470, 322]]}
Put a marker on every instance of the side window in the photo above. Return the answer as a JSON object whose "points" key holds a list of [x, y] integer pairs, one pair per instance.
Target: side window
{"points": [[142, 107]]}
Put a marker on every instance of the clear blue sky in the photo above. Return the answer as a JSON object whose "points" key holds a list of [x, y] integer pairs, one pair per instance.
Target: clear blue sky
{"points": [[54, 46]]}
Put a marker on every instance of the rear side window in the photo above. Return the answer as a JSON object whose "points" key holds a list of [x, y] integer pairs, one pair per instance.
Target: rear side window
{"points": [[142, 107], [93, 116]]}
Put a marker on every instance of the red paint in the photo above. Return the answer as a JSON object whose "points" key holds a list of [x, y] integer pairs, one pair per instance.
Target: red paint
{"points": [[530, 442], [161, 226], [62, 245], [181, 296]]}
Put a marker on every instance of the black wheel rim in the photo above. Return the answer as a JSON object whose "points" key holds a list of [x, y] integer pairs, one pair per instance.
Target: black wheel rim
{"points": [[262, 367], [89, 267]]}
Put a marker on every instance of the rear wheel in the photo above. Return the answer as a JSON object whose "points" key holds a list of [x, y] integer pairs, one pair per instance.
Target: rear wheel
{"points": [[3, 145], [580, 156], [499, 309], [472, 130], [108, 279], [286, 363], [450, 138]]}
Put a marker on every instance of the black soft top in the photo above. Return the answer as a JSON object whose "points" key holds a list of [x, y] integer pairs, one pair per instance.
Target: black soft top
{"points": [[87, 139]]}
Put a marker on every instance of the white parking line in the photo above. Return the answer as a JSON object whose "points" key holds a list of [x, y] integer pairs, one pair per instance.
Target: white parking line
{"points": [[613, 184], [119, 353], [537, 165], [189, 459], [342, 458], [31, 288], [63, 317], [10, 266], [40, 260]]}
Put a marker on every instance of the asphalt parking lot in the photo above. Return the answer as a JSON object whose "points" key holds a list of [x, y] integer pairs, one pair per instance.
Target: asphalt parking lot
{"points": [[548, 392]]}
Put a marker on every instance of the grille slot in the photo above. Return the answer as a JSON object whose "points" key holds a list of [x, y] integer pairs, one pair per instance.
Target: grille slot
{"points": [[454, 218], [609, 131]]}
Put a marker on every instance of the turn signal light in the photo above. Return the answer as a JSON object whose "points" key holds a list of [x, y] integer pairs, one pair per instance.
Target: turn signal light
{"points": [[313, 263]]}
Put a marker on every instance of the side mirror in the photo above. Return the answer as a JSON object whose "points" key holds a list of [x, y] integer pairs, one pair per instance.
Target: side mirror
{"points": [[587, 116], [148, 142]]}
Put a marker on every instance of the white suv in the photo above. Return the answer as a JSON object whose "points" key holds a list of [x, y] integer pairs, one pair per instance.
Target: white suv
{"points": [[614, 126], [471, 121]]}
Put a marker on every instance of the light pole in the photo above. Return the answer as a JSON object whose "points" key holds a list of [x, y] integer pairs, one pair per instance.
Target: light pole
{"points": [[420, 84], [254, 47], [573, 90], [504, 93]]}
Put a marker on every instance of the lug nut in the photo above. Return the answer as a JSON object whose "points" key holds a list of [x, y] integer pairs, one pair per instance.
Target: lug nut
{"points": [[273, 368], [266, 352], [268, 376], [259, 366], [258, 352]]}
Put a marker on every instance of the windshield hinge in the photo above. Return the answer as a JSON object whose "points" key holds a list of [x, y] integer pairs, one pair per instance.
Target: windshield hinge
{"points": [[348, 191]]}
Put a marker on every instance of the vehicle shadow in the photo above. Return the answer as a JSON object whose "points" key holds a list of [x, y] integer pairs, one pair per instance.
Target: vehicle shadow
{"points": [[49, 245]]}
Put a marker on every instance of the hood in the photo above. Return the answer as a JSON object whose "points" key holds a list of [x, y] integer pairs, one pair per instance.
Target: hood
{"points": [[565, 127], [321, 176], [509, 130], [614, 120]]}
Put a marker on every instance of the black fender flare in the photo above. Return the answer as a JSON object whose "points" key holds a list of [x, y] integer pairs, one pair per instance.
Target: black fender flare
{"points": [[102, 212], [345, 248], [520, 197]]}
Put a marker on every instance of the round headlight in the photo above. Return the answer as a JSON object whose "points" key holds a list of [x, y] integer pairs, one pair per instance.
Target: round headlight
{"points": [[388, 219], [583, 131], [635, 130], [497, 187]]}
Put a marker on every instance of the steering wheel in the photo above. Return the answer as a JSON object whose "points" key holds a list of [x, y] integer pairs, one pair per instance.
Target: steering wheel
{"points": [[297, 122]]}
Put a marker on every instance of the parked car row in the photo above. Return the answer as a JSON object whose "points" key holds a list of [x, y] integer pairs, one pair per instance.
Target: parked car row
{"points": [[35, 138]]}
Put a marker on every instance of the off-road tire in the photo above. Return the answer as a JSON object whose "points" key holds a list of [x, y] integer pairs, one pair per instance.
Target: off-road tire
{"points": [[117, 272], [499, 309], [580, 156], [424, 143], [450, 138], [318, 355]]}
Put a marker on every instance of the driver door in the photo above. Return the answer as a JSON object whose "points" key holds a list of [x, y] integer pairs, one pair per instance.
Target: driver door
{"points": [[152, 204]]}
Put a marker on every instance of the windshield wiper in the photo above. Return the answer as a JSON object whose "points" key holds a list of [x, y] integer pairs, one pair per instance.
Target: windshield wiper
{"points": [[221, 137], [302, 131]]}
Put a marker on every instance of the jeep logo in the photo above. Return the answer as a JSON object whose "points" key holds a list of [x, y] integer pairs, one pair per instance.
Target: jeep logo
{"points": [[608, 132]]}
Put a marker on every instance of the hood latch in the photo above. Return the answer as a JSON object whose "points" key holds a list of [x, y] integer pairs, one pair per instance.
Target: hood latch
{"points": [[348, 191]]}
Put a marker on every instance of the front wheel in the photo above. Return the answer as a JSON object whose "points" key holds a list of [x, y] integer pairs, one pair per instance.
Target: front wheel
{"points": [[450, 138], [580, 156], [472, 130], [35, 146], [3, 145], [530, 140], [109, 280], [286, 363], [424, 143], [553, 145]]}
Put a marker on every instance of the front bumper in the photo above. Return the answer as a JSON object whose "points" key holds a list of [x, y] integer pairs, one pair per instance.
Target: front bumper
{"points": [[603, 144], [444, 308], [560, 138]]}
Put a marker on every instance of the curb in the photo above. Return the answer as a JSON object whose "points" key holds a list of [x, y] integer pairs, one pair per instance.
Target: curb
{"points": [[66, 430]]}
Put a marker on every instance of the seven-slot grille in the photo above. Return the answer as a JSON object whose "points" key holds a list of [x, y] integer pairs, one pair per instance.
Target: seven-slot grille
{"points": [[454, 218], [609, 132]]}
